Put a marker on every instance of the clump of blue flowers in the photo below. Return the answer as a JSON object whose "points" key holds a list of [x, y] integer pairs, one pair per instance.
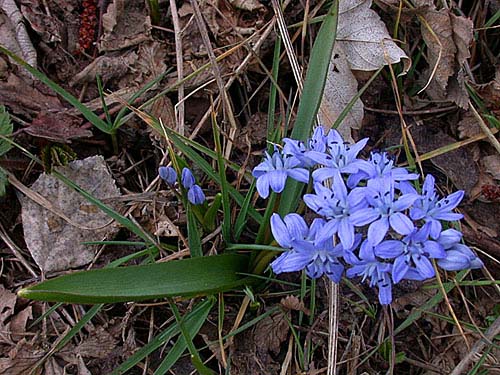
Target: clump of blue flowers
{"points": [[195, 194], [372, 223]]}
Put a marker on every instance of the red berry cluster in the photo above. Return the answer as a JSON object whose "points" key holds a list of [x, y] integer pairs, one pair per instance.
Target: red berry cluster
{"points": [[87, 25], [491, 192]]}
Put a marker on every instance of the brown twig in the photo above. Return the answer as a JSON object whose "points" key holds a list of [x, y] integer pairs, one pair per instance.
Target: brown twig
{"points": [[180, 66]]}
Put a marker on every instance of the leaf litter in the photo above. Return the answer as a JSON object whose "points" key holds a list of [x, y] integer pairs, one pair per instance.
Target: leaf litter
{"points": [[130, 51]]}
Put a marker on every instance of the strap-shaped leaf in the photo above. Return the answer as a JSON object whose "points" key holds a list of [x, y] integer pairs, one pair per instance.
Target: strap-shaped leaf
{"points": [[186, 277]]}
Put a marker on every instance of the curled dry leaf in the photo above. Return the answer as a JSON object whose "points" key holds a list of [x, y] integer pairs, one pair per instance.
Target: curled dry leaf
{"points": [[293, 303], [363, 43], [491, 165], [249, 5], [271, 331], [55, 244]]}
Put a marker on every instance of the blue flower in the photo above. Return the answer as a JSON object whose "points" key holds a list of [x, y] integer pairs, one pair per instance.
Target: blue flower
{"points": [[369, 267], [432, 209], [411, 255], [275, 169], [187, 178], [195, 195], [168, 174], [339, 158], [458, 256], [302, 150], [385, 210], [380, 165], [305, 251], [340, 208]]}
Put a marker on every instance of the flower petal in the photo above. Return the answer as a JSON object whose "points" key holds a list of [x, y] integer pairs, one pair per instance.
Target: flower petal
{"points": [[377, 230], [401, 223], [280, 231]]}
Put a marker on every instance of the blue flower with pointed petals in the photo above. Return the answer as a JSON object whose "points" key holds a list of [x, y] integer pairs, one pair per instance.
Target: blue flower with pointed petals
{"points": [[385, 210], [411, 255], [431, 209], [369, 267], [341, 157], [380, 165], [301, 150], [168, 174], [458, 256], [305, 251], [340, 208], [275, 169]]}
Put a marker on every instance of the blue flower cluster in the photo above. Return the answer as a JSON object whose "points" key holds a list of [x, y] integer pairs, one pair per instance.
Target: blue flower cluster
{"points": [[195, 194], [372, 221]]}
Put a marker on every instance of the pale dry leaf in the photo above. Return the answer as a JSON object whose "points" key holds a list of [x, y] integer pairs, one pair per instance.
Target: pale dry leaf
{"points": [[462, 36], [491, 165], [271, 331], [7, 304], [54, 244], [150, 61], [293, 303], [248, 5], [99, 344], [125, 24], [364, 37], [20, 359], [107, 67], [468, 126], [438, 24], [17, 326], [340, 87]]}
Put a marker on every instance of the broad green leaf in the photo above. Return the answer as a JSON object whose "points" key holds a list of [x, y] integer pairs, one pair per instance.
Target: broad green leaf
{"points": [[186, 277], [6, 129], [310, 101]]}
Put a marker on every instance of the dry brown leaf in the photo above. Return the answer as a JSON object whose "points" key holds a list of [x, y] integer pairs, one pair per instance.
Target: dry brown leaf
{"points": [[248, 5], [57, 127], [7, 304], [125, 24], [107, 67], [468, 127], [340, 87], [491, 165], [17, 325], [20, 359], [53, 243], [48, 27], [99, 344], [439, 23], [271, 331], [364, 37], [293, 303]]}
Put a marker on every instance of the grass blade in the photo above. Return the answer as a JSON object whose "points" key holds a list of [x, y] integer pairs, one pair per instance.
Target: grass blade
{"points": [[87, 113], [199, 311], [193, 233], [310, 101]]}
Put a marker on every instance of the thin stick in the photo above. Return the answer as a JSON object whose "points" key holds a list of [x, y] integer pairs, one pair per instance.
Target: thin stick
{"points": [[180, 67], [15, 250], [486, 130], [333, 319], [490, 333], [228, 110]]}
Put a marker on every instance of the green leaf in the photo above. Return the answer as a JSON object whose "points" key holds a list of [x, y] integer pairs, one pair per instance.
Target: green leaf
{"points": [[310, 101], [173, 355], [186, 277], [199, 312], [3, 182], [6, 129], [193, 233], [87, 113]]}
